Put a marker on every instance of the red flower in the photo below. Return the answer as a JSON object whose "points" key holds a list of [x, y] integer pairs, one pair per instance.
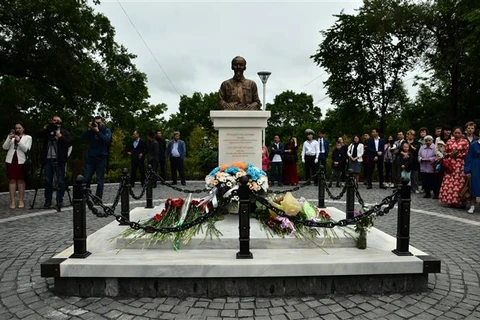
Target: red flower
{"points": [[324, 214], [158, 217]]}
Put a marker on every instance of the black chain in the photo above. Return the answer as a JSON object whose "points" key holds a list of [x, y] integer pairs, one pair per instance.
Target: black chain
{"points": [[378, 210], [144, 188], [296, 188], [357, 194], [159, 178]]}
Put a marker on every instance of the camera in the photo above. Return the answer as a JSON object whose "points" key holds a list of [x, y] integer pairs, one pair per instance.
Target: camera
{"points": [[93, 124], [52, 129]]}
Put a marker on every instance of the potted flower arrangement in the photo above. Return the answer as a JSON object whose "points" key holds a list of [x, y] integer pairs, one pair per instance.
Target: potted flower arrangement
{"points": [[361, 228]]}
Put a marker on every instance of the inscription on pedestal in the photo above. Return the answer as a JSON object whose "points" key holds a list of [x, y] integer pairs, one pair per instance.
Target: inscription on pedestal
{"points": [[240, 145]]}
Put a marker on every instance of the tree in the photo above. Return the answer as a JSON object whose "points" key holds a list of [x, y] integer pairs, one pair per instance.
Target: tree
{"points": [[194, 111], [59, 57], [451, 32], [291, 114], [366, 56]]}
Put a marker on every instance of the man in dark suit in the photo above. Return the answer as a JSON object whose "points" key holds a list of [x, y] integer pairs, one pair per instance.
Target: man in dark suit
{"points": [[137, 150], [162, 145], [153, 152], [323, 155], [277, 150], [176, 152], [376, 147]]}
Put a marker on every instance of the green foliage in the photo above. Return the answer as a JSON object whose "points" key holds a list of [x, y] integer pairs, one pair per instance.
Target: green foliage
{"points": [[60, 57], [367, 54], [291, 114], [194, 111], [117, 158]]}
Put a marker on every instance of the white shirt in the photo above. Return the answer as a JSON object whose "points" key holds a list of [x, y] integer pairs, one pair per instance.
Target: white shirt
{"points": [[377, 140], [321, 145], [311, 148], [277, 157]]}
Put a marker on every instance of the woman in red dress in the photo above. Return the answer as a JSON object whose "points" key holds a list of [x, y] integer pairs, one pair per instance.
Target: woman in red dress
{"points": [[290, 173], [455, 151], [17, 145]]}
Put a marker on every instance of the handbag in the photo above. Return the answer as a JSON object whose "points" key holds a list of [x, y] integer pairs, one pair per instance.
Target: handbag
{"points": [[27, 165], [447, 165], [437, 165], [465, 192]]}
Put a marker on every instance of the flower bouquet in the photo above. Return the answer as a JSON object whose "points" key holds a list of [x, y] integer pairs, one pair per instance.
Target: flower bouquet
{"points": [[362, 227], [176, 212], [296, 212]]}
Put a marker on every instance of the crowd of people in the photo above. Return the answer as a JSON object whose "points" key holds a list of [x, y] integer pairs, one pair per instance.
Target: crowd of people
{"points": [[57, 146], [446, 165]]}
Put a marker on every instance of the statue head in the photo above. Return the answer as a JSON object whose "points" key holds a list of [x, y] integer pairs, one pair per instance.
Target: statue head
{"points": [[239, 65]]}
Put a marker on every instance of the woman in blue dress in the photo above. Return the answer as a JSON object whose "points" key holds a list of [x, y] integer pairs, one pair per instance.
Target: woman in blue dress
{"points": [[472, 170]]}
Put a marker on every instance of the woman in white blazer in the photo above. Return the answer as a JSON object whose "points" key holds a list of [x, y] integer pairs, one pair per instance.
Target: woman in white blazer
{"points": [[17, 145], [355, 153]]}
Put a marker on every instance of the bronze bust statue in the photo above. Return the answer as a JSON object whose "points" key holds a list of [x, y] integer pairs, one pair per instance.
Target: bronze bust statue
{"points": [[239, 93]]}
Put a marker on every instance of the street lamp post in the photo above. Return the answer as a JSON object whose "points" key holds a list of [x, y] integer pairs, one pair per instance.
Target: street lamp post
{"points": [[264, 77]]}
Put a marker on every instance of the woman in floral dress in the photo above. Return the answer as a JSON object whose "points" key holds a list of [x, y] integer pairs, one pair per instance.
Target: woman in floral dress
{"points": [[455, 151]]}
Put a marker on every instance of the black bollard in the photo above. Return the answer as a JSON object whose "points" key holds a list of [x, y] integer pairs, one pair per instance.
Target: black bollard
{"points": [[125, 196], [79, 220], [244, 219], [150, 187], [350, 194], [321, 187], [403, 220]]}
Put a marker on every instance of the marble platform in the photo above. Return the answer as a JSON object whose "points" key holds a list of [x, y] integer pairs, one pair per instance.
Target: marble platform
{"points": [[209, 268]]}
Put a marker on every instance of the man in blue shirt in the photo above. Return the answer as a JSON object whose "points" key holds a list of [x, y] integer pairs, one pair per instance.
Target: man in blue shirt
{"points": [[98, 137], [176, 153]]}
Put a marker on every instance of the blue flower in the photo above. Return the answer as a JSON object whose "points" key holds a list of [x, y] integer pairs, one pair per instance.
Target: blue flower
{"points": [[214, 171], [231, 170]]}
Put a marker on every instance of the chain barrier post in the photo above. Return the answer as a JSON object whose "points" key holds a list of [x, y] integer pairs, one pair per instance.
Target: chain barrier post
{"points": [[321, 186], [244, 219], [151, 176], [403, 220], [125, 196], [350, 194], [79, 220]]}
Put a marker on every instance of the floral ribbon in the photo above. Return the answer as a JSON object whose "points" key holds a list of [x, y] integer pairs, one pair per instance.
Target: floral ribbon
{"points": [[183, 216], [212, 197]]}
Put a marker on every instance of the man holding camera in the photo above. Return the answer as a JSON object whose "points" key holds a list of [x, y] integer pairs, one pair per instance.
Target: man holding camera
{"points": [[98, 137], [54, 158]]}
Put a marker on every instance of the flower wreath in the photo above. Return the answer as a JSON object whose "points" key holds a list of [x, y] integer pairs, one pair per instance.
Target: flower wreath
{"points": [[226, 178]]}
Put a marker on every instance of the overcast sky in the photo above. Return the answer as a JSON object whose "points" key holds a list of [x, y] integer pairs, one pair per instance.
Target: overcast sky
{"points": [[187, 46]]}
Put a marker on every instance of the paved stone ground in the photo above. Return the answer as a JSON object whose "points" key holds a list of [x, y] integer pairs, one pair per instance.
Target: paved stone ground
{"points": [[29, 237]]}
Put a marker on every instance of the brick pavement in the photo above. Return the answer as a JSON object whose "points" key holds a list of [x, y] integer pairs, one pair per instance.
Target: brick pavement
{"points": [[29, 237]]}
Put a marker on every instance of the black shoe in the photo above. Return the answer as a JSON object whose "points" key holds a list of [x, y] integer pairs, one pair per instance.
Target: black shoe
{"points": [[60, 204], [369, 187], [47, 205], [337, 185], [382, 187], [316, 184], [426, 196], [435, 197], [173, 183], [280, 185], [184, 184], [329, 185]]}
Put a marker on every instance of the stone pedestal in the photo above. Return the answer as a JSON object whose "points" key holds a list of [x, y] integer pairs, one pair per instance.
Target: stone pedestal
{"points": [[240, 135]]}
